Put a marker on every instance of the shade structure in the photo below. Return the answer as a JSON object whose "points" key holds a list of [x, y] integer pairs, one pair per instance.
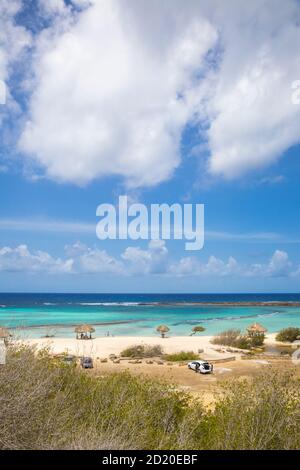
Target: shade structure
{"points": [[163, 329], [84, 330], [256, 328]]}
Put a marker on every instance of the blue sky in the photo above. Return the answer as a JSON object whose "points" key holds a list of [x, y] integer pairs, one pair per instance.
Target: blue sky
{"points": [[105, 99]]}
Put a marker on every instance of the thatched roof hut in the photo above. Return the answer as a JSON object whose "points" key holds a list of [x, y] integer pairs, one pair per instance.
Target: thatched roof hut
{"points": [[4, 333], [84, 330], [163, 329], [256, 328]]}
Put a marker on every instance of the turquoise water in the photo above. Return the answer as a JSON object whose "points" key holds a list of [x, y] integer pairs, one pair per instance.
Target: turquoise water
{"points": [[135, 318]]}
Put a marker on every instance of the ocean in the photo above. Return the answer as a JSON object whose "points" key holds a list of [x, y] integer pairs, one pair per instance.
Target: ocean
{"points": [[37, 315]]}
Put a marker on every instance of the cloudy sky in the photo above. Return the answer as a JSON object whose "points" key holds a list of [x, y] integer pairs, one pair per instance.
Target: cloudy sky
{"points": [[165, 101]]}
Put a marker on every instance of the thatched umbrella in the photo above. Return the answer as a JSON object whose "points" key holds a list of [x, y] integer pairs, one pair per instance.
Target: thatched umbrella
{"points": [[84, 330], [163, 329], [197, 329], [256, 329]]}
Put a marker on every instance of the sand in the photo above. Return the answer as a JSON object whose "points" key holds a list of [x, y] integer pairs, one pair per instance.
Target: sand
{"points": [[103, 347]]}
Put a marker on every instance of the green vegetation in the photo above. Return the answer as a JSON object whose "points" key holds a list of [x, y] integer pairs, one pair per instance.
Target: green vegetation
{"points": [[288, 334], [181, 356], [140, 350], [45, 404], [236, 339], [197, 329]]}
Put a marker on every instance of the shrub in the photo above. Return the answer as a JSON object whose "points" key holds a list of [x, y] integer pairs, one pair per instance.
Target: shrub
{"points": [[288, 334], [235, 339], [257, 340], [197, 329], [256, 414], [227, 338], [182, 356], [45, 404], [141, 350], [243, 342]]}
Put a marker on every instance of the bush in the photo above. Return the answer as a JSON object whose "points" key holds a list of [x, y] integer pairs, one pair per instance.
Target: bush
{"points": [[45, 404], [229, 338], [288, 334], [141, 350], [182, 356], [235, 339], [257, 340], [197, 329], [243, 342]]}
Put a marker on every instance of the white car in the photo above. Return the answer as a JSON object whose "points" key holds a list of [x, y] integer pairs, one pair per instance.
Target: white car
{"points": [[203, 367]]}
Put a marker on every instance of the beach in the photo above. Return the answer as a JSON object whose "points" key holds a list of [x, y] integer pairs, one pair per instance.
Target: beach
{"points": [[103, 347]]}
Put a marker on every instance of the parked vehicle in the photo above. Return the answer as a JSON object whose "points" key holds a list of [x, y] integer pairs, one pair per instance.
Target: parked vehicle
{"points": [[86, 363], [203, 367]]}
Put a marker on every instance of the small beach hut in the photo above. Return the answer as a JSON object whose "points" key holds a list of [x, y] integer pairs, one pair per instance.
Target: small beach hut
{"points": [[256, 329], [163, 329], [84, 331]]}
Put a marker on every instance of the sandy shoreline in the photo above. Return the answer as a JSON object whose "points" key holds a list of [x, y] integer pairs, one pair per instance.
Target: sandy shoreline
{"points": [[103, 347]]}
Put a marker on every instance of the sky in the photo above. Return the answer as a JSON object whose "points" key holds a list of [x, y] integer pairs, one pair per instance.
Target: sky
{"points": [[193, 102]]}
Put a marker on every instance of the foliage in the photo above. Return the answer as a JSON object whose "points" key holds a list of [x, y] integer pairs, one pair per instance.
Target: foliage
{"points": [[140, 350], [288, 334], [257, 340], [198, 329], [236, 339], [45, 404], [182, 356]]}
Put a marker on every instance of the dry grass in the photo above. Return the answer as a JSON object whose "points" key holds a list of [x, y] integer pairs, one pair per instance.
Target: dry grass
{"points": [[45, 404]]}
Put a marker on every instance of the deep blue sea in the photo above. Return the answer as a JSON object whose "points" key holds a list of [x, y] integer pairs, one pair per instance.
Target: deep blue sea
{"points": [[35, 315]]}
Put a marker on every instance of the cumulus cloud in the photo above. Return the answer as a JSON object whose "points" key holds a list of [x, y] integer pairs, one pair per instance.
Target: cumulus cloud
{"points": [[278, 266], [13, 40], [188, 266], [113, 97], [23, 260], [255, 120], [97, 261], [154, 260], [116, 84]]}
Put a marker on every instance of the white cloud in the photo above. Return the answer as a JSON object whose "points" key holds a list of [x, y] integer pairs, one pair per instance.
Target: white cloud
{"points": [[188, 266], [154, 260], [116, 84], [270, 180], [113, 92], [254, 118], [93, 260], [81, 259], [21, 259], [13, 40], [278, 266]]}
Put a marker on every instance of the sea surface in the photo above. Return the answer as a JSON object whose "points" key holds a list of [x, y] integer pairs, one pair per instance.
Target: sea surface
{"points": [[37, 315]]}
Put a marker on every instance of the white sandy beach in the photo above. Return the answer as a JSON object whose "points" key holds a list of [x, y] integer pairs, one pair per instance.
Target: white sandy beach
{"points": [[103, 347]]}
